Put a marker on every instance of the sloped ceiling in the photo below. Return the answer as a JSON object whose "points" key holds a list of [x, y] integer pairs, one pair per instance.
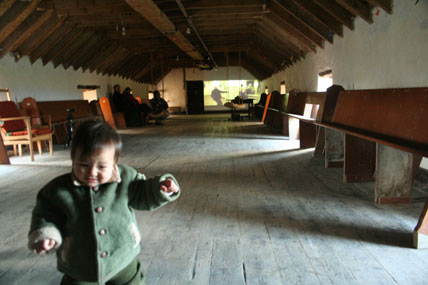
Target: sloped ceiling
{"points": [[142, 40]]}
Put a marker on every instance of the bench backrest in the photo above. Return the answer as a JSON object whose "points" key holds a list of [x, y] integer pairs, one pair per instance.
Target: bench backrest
{"points": [[396, 113], [57, 109], [297, 101]]}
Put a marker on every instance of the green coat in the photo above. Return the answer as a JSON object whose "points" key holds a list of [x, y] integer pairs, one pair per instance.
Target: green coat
{"points": [[95, 227]]}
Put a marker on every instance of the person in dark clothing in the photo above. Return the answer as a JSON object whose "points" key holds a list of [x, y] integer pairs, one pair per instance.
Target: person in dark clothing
{"points": [[259, 107], [141, 108], [159, 108], [122, 104]]}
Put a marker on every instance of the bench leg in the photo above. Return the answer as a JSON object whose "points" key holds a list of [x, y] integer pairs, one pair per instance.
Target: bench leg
{"points": [[308, 134], [39, 146], [420, 234], [394, 175], [334, 145], [285, 130], [293, 128], [360, 159], [4, 158], [320, 141]]}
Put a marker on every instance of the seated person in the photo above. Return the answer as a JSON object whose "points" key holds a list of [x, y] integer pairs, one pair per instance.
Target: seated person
{"points": [[141, 108], [260, 106], [159, 108]]}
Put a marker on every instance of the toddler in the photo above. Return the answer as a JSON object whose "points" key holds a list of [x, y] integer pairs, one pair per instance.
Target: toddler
{"points": [[86, 216]]}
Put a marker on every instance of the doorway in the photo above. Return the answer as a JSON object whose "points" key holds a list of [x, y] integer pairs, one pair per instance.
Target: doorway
{"points": [[195, 97]]}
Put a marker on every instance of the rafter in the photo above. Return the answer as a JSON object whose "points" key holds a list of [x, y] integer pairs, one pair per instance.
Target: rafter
{"points": [[279, 14], [338, 12], [51, 41], [39, 36], [24, 31], [386, 5], [358, 8], [15, 16], [317, 27], [318, 13], [74, 45], [5, 5], [160, 21], [65, 42]]}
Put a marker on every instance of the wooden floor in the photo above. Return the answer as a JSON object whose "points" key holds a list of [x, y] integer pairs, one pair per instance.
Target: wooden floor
{"points": [[253, 211]]}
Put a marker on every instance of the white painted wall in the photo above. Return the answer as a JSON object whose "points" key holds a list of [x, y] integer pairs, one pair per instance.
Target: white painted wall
{"points": [[44, 83], [391, 52], [173, 82]]}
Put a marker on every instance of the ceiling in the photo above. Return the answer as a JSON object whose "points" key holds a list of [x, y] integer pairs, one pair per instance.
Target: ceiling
{"points": [[143, 40]]}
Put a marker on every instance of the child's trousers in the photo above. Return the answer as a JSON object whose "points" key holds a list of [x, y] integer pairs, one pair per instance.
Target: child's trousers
{"points": [[131, 275]]}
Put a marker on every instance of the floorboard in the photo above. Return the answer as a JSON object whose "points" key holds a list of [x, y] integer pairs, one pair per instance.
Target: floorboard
{"points": [[254, 210]]}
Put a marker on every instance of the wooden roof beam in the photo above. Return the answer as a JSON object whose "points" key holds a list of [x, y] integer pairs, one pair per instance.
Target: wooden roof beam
{"points": [[15, 15], [133, 64], [120, 63], [318, 13], [259, 75], [307, 19], [225, 4], [337, 11], [358, 8], [5, 5], [52, 40], [287, 31], [61, 46], [39, 36], [386, 5], [280, 14], [75, 45], [99, 55], [149, 10], [82, 50], [113, 59], [84, 59], [102, 56], [24, 31], [278, 40]]}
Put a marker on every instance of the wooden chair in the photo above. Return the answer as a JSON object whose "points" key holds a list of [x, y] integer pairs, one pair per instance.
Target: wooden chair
{"points": [[17, 130], [115, 119]]}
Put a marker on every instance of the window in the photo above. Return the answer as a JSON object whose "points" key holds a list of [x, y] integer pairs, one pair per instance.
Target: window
{"points": [[283, 87], [325, 80], [90, 95]]}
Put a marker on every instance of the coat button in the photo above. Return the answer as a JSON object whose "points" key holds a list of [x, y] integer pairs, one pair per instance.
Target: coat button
{"points": [[102, 232], [103, 254], [99, 209]]}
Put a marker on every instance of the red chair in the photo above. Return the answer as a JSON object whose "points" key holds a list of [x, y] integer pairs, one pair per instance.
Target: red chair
{"points": [[17, 130]]}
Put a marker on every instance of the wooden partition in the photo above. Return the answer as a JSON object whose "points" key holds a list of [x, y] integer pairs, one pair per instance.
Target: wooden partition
{"points": [[59, 115], [386, 136], [297, 125], [276, 105]]}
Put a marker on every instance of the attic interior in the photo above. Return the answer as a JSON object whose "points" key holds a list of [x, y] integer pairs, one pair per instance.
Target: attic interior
{"points": [[262, 201]]}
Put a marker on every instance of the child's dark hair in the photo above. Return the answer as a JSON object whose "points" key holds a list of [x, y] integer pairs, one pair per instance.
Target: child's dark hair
{"points": [[93, 135]]}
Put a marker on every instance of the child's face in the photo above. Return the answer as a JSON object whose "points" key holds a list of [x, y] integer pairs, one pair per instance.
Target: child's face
{"points": [[95, 169]]}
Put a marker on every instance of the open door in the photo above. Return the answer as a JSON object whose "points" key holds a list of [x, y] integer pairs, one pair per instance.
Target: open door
{"points": [[195, 97]]}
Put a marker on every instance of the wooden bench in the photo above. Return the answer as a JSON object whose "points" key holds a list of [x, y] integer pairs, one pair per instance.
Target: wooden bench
{"points": [[385, 137], [298, 119], [59, 115], [276, 103]]}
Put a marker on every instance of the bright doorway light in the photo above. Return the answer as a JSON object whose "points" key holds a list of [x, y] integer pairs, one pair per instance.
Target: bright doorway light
{"points": [[325, 80]]}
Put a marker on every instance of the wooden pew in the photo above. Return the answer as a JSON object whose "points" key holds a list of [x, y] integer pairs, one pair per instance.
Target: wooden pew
{"points": [[59, 115], [298, 125], [386, 135], [276, 104]]}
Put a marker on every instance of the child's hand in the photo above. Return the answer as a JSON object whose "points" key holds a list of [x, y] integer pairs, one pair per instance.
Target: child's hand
{"points": [[44, 245], [169, 186]]}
